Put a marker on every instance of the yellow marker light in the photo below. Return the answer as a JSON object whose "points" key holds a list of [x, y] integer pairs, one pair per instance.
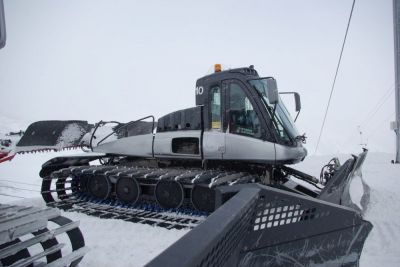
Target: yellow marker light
{"points": [[217, 68]]}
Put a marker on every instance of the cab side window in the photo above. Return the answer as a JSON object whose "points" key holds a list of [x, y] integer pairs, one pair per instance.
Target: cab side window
{"points": [[243, 119], [216, 108]]}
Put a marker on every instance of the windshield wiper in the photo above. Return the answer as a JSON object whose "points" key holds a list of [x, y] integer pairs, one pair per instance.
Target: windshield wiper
{"points": [[274, 117]]}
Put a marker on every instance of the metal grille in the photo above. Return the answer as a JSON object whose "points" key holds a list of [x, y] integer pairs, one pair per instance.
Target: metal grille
{"points": [[264, 226], [221, 252], [277, 213], [218, 240]]}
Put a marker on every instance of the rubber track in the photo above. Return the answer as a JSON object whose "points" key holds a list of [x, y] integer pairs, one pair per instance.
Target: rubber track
{"points": [[146, 214], [69, 197]]}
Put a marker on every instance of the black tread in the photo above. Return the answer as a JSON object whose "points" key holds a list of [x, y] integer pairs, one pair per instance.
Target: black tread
{"points": [[72, 193]]}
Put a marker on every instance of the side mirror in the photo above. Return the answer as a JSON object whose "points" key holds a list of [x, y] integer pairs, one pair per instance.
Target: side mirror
{"points": [[272, 91], [2, 26], [297, 102]]}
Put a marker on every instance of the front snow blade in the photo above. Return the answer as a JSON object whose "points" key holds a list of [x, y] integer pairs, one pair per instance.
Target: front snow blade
{"points": [[264, 226], [52, 135], [347, 187]]}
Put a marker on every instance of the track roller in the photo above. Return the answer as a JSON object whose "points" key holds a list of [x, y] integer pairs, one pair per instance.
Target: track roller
{"points": [[99, 186], [83, 183], [169, 194], [203, 198], [127, 190]]}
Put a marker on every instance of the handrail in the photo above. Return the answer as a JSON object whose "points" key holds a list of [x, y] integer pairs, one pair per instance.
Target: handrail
{"points": [[101, 123]]}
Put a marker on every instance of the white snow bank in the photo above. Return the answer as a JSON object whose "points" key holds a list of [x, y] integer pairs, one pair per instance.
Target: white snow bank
{"points": [[382, 246]]}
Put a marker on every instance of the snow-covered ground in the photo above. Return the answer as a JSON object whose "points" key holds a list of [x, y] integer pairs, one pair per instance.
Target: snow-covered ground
{"points": [[111, 242], [382, 246], [118, 243]]}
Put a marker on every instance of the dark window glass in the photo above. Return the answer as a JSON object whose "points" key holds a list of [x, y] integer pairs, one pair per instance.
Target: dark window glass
{"points": [[282, 121], [185, 145], [216, 108], [242, 116]]}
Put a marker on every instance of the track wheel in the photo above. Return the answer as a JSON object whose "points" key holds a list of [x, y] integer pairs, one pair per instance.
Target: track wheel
{"points": [[83, 181], [99, 186], [127, 190], [169, 194], [203, 198]]}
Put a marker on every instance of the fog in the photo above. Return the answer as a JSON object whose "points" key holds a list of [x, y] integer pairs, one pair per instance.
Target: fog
{"points": [[122, 60]]}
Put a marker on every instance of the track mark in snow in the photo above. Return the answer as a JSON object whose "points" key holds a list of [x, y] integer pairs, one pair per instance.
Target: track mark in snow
{"points": [[18, 188], [16, 182], [7, 195]]}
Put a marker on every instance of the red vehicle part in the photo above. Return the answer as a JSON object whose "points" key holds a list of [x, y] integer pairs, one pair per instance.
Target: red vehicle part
{"points": [[6, 156]]}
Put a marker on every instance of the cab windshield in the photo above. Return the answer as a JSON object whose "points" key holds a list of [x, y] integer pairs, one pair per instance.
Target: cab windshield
{"points": [[282, 121]]}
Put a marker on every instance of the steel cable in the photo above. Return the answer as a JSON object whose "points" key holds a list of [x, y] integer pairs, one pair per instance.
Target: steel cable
{"points": [[336, 73], [379, 126], [373, 111], [377, 107]]}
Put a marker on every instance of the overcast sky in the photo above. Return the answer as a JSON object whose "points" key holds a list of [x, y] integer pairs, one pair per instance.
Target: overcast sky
{"points": [[121, 60]]}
